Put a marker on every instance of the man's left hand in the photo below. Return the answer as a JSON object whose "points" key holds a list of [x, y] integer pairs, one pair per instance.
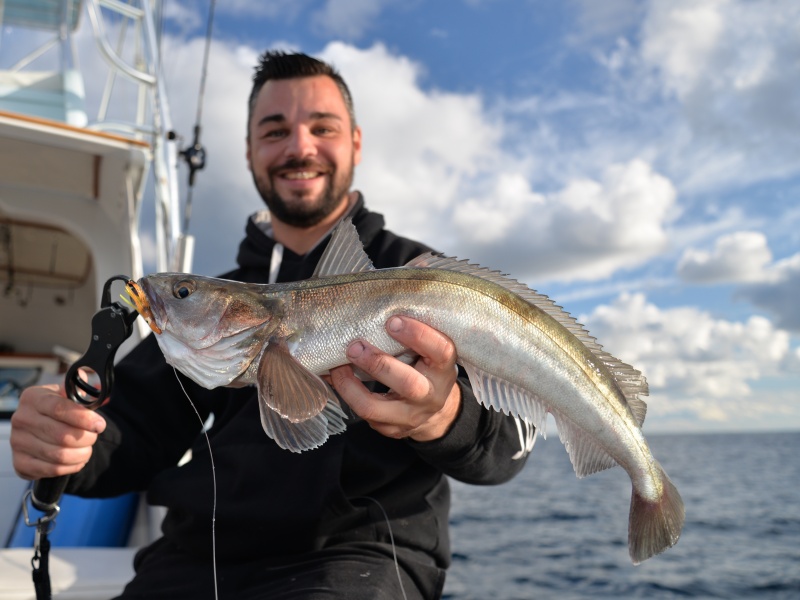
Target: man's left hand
{"points": [[424, 399]]}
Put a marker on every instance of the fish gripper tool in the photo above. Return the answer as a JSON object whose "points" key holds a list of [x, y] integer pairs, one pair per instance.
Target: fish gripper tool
{"points": [[111, 326]]}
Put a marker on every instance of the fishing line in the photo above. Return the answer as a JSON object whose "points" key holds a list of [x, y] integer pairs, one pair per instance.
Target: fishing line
{"points": [[214, 484], [214, 505], [391, 539]]}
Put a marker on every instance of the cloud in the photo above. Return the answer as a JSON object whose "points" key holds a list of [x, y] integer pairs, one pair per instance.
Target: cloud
{"points": [[435, 165], [286, 10], [427, 156], [698, 365], [224, 194], [420, 147], [604, 19], [588, 230], [185, 17], [736, 258], [731, 65], [348, 19], [780, 294], [745, 258]]}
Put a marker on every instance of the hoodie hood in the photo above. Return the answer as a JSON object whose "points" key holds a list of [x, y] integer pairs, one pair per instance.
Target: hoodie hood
{"points": [[255, 251]]}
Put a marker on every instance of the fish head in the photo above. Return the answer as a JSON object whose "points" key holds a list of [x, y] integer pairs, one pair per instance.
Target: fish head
{"points": [[209, 329]]}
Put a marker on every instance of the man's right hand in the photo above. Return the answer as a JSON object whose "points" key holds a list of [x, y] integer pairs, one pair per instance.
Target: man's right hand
{"points": [[51, 435]]}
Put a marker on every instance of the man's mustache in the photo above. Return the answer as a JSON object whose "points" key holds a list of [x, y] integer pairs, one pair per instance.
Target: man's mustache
{"points": [[306, 164]]}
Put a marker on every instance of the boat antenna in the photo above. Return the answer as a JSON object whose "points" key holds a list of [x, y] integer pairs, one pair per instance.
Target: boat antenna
{"points": [[195, 155]]}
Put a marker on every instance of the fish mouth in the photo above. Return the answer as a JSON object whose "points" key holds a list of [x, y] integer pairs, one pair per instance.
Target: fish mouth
{"points": [[142, 304]]}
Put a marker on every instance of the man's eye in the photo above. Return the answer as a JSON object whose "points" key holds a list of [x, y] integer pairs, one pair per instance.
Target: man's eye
{"points": [[274, 134]]}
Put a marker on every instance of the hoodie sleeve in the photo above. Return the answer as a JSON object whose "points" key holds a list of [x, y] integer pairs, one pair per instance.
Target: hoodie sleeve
{"points": [[148, 409], [482, 447]]}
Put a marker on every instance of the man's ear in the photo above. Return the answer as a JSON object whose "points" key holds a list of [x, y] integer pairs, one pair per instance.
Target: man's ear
{"points": [[356, 146], [247, 154]]}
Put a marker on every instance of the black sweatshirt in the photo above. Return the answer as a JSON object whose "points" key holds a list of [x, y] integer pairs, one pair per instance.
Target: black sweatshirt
{"points": [[271, 502]]}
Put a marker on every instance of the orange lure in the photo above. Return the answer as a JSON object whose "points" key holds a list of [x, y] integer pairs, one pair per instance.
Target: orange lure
{"points": [[142, 305]]}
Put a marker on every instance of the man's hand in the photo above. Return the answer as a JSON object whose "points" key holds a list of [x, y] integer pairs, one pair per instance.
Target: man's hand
{"points": [[50, 434], [424, 399]]}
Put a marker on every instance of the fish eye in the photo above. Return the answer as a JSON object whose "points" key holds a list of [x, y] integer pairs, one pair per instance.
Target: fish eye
{"points": [[183, 289]]}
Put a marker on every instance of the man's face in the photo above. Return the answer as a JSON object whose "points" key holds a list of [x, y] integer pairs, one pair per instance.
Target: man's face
{"points": [[302, 149]]}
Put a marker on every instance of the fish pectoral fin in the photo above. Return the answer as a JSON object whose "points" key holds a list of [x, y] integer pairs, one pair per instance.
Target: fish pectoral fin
{"points": [[344, 254], [287, 387], [305, 435]]}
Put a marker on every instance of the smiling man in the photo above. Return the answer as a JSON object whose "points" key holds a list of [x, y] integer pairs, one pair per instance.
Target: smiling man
{"points": [[365, 516], [301, 148]]}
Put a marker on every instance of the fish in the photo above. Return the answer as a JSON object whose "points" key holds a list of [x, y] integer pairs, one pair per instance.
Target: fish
{"points": [[524, 356]]}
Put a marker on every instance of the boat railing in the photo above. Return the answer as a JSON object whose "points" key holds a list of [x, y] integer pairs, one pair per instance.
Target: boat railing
{"points": [[59, 93]]}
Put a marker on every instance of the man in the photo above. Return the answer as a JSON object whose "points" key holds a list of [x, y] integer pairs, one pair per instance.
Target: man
{"points": [[363, 516]]}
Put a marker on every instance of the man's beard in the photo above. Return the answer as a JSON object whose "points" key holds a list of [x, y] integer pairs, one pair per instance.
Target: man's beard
{"points": [[299, 212]]}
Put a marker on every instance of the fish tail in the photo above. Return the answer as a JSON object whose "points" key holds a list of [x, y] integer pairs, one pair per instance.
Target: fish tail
{"points": [[655, 525]]}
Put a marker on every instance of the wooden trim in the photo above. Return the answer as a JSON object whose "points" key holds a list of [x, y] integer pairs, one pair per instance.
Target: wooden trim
{"points": [[72, 128]]}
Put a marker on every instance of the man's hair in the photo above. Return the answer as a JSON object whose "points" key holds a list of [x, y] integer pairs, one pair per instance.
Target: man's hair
{"points": [[275, 64]]}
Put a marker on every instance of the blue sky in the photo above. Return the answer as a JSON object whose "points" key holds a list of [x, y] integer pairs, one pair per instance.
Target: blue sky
{"points": [[638, 161]]}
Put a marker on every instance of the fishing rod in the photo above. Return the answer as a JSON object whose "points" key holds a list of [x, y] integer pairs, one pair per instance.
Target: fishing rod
{"points": [[195, 155], [111, 326]]}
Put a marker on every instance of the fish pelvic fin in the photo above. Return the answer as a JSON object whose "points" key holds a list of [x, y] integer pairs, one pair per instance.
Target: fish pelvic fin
{"points": [[287, 387], [344, 253], [305, 435], [655, 526], [630, 381]]}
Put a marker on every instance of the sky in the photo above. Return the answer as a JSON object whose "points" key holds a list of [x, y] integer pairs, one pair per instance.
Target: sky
{"points": [[638, 161]]}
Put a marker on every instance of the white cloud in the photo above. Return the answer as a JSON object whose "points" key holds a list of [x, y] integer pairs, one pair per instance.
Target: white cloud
{"points": [[185, 18], [348, 19], [604, 19], [780, 293], [426, 156], [224, 194], [489, 220], [732, 66], [287, 10], [588, 230], [745, 258], [738, 257], [420, 146], [695, 364]]}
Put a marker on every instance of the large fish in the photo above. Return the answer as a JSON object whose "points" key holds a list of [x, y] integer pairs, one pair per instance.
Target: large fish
{"points": [[524, 356]]}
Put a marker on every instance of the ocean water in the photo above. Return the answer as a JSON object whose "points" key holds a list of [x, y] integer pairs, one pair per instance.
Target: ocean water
{"points": [[548, 534]]}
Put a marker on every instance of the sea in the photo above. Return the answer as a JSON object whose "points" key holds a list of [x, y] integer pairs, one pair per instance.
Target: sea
{"points": [[548, 534]]}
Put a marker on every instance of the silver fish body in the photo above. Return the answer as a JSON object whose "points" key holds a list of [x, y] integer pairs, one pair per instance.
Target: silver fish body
{"points": [[524, 356]]}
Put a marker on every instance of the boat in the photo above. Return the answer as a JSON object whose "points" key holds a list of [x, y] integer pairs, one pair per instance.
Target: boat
{"points": [[84, 152]]}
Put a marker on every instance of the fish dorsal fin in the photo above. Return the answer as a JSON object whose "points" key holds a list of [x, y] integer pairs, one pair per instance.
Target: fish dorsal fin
{"points": [[305, 435], [630, 381], [287, 387], [344, 254]]}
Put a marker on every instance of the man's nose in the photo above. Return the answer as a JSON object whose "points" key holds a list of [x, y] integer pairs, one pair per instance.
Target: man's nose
{"points": [[301, 144]]}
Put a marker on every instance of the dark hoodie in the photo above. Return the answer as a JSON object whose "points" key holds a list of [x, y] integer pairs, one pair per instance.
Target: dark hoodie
{"points": [[271, 502]]}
